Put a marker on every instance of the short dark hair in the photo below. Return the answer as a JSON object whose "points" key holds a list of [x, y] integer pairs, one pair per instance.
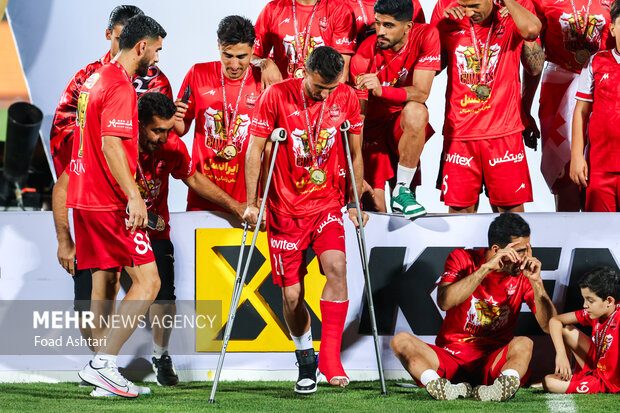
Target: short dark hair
{"points": [[401, 10], [327, 62], [122, 14], [603, 281], [234, 30], [504, 227], [614, 11], [139, 28], [153, 104]]}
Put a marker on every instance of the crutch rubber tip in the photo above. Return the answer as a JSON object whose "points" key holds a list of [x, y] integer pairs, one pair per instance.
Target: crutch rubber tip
{"points": [[211, 401], [345, 126], [278, 135]]}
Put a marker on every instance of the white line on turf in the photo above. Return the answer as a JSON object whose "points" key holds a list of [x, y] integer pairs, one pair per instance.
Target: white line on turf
{"points": [[561, 403]]}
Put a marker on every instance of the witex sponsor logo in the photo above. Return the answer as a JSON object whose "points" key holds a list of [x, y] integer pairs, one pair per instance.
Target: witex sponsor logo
{"points": [[283, 244], [457, 159], [508, 157]]}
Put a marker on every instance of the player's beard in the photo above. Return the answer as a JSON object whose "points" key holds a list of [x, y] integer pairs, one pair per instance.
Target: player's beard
{"points": [[386, 46], [143, 67]]}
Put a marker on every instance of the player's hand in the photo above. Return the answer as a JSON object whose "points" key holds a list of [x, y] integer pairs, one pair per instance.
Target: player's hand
{"points": [[579, 170], [251, 215], [456, 13], [367, 188], [562, 367], [270, 74], [531, 266], [137, 214], [353, 217], [371, 82], [66, 255], [181, 110], [238, 209], [531, 134], [502, 257], [503, 12]]}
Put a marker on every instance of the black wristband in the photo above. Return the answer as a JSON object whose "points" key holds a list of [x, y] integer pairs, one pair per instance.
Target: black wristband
{"points": [[351, 205]]}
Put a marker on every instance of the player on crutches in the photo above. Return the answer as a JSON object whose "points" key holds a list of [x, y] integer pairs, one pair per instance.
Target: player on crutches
{"points": [[305, 202]]}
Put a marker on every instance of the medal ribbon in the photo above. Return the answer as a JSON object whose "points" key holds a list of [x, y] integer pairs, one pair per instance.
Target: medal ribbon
{"points": [[229, 131], [303, 51], [583, 32], [311, 141], [483, 58], [146, 185], [600, 339]]}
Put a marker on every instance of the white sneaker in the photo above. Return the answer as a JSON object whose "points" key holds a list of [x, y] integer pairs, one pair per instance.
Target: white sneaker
{"points": [[109, 379], [99, 392]]}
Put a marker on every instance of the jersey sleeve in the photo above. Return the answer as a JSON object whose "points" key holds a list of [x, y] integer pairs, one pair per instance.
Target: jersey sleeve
{"points": [[263, 43], [183, 165], [455, 267], [265, 113], [585, 90], [528, 296], [429, 57], [583, 318], [345, 31], [360, 64], [418, 12], [66, 111], [439, 9], [354, 115], [118, 110], [190, 114]]}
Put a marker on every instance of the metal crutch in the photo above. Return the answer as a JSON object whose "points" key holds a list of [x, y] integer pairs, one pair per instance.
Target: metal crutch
{"points": [[278, 135], [361, 242]]}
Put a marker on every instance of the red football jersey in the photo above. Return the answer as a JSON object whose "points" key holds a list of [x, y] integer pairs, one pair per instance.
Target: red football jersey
{"points": [[171, 158], [422, 52], [63, 125], [467, 117], [560, 35], [490, 314], [292, 194], [599, 83], [206, 105], [107, 106], [364, 13], [607, 367], [332, 25]]}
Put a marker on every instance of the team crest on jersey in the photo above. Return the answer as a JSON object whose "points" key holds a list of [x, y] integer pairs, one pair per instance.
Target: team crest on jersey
{"points": [[289, 45], [334, 113], [606, 4], [215, 130], [399, 79], [485, 316], [511, 290], [250, 101], [301, 146], [160, 166], [323, 23], [572, 38], [90, 82], [469, 65], [500, 31]]}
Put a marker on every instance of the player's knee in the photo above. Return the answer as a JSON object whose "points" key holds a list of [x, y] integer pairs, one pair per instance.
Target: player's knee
{"points": [[414, 116], [400, 342], [522, 345], [336, 269], [291, 296], [152, 287]]}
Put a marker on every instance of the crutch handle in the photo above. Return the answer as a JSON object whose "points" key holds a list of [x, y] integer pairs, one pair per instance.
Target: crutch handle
{"points": [[345, 126], [278, 135]]}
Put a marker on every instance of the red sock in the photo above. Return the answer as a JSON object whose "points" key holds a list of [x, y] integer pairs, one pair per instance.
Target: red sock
{"points": [[334, 315]]}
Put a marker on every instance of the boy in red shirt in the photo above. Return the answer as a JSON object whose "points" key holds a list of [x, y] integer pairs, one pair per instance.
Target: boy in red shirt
{"points": [[597, 358], [598, 109]]}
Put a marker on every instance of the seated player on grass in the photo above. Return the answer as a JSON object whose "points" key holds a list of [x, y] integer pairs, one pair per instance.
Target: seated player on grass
{"points": [[596, 370]]}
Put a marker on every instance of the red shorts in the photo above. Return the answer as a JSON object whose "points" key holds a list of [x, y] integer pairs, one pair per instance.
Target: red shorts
{"points": [[499, 163], [380, 151], [587, 381], [101, 241], [289, 238], [602, 193], [472, 364]]}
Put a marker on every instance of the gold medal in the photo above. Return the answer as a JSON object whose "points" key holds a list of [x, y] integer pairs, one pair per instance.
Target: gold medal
{"points": [[318, 176], [299, 73], [357, 81], [228, 153], [582, 56], [161, 224], [482, 91]]}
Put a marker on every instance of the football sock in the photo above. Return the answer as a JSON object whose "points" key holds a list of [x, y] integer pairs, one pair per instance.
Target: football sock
{"points": [[428, 376], [159, 351], [334, 316], [404, 176], [511, 372], [304, 342], [101, 358]]}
